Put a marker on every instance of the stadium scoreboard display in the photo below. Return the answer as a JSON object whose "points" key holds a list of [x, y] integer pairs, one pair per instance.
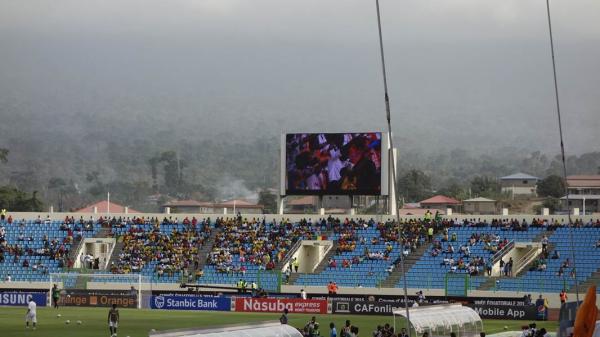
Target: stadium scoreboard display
{"points": [[352, 163]]}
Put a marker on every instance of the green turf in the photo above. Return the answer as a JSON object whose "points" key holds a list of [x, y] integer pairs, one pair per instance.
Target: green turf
{"points": [[137, 323]]}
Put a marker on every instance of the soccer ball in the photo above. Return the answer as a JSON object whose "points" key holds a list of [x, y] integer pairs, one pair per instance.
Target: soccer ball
{"points": [[68, 296], [152, 330], [68, 321], [58, 315], [505, 327], [78, 322]]}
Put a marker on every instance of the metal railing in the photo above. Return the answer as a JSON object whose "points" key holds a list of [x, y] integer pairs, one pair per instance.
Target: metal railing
{"points": [[525, 259], [498, 255], [289, 254]]}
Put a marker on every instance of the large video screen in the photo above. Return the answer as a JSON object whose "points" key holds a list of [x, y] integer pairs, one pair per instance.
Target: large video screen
{"points": [[333, 163]]}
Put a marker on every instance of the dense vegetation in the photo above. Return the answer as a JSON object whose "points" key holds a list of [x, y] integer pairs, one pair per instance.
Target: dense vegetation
{"points": [[145, 171]]}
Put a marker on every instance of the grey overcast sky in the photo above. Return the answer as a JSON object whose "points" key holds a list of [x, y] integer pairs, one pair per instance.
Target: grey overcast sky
{"points": [[462, 73]]}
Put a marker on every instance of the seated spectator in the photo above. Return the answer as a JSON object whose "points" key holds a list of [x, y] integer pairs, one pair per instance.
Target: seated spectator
{"points": [[449, 250]]}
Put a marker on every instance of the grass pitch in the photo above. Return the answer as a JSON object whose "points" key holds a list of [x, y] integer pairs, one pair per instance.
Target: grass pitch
{"points": [[137, 323]]}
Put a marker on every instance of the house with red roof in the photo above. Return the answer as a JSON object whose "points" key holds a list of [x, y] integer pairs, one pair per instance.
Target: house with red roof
{"points": [[104, 206], [440, 202], [240, 205], [189, 206]]}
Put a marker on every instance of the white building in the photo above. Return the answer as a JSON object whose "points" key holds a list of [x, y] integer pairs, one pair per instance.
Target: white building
{"points": [[520, 184]]}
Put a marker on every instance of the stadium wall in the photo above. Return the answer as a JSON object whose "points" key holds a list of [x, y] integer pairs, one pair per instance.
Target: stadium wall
{"points": [[292, 217], [553, 298]]}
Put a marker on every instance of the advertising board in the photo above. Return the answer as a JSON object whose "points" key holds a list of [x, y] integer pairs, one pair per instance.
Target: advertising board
{"points": [[278, 305], [175, 302], [87, 300], [22, 298]]}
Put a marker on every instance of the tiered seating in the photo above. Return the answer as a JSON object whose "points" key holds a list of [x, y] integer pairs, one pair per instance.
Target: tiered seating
{"points": [[159, 251], [43, 245], [250, 249], [430, 271], [360, 269], [587, 257]]}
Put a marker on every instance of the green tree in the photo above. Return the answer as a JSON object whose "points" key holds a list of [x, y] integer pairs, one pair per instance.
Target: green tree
{"points": [[269, 200], [553, 204], [4, 155], [415, 185], [483, 186], [172, 168], [15, 200], [551, 186], [59, 186], [454, 190]]}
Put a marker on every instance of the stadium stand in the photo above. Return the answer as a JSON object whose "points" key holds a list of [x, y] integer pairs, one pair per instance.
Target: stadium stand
{"points": [[32, 249], [557, 274], [160, 250], [464, 250], [366, 252], [250, 249]]}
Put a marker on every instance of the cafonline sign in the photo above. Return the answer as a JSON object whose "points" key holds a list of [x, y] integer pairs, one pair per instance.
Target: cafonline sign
{"points": [[175, 302], [294, 305], [365, 307]]}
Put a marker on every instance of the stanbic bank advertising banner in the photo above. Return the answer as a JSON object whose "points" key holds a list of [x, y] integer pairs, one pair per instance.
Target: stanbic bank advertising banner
{"points": [[176, 302]]}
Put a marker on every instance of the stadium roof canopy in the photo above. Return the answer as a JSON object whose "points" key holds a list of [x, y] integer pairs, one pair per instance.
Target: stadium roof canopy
{"points": [[441, 320], [271, 329]]}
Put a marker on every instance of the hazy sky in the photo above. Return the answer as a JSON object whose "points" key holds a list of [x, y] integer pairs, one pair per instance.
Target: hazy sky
{"points": [[461, 72]]}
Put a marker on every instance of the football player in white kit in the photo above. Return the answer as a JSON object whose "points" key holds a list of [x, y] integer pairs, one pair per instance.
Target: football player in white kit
{"points": [[31, 314]]}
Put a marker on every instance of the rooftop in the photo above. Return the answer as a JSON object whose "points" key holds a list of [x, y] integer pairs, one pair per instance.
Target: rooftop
{"points": [[520, 176], [583, 181], [187, 203], [106, 207], [480, 199], [440, 199], [582, 196], [238, 203]]}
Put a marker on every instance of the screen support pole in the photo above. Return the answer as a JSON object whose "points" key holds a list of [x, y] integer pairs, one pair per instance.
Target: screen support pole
{"points": [[393, 159]]}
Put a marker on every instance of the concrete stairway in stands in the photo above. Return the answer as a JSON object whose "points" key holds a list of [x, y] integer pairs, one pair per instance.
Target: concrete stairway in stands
{"points": [[75, 246], [206, 248], [409, 261], [104, 232], [490, 283], [321, 266], [594, 279], [114, 257]]}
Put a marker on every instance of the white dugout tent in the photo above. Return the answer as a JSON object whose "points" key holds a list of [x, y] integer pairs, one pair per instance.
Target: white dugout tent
{"points": [[441, 320]]}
